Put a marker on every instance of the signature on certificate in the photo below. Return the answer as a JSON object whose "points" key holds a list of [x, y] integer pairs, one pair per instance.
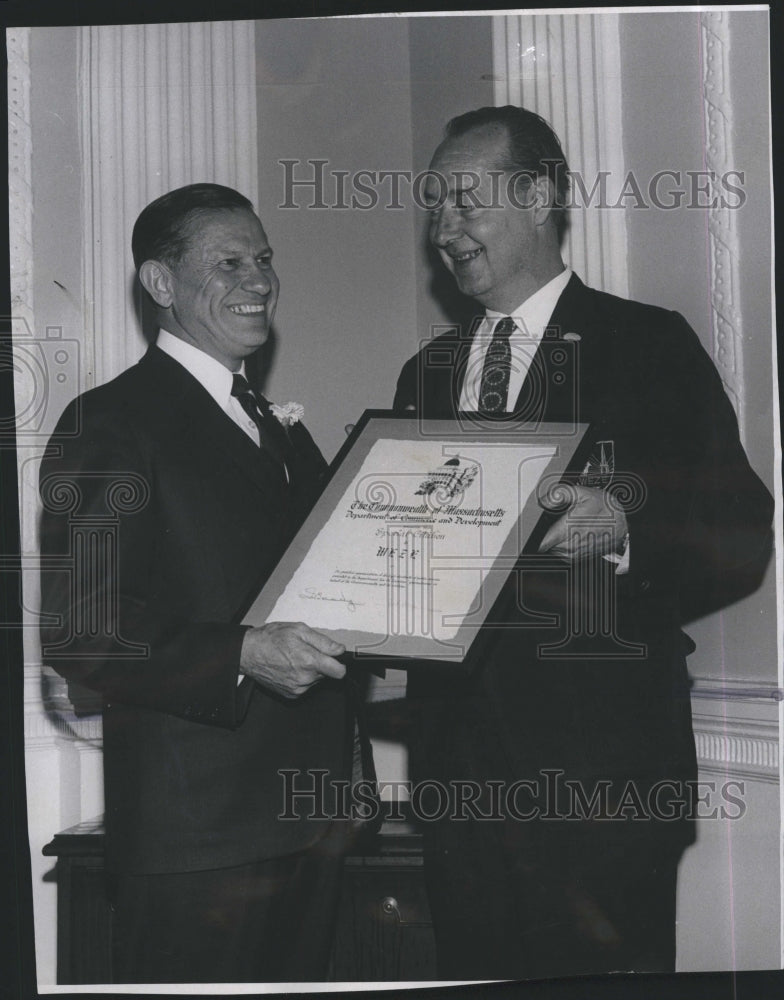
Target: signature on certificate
{"points": [[312, 594]]}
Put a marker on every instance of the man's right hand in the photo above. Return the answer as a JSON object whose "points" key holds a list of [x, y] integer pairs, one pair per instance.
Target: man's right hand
{"points": [[288, 658]]}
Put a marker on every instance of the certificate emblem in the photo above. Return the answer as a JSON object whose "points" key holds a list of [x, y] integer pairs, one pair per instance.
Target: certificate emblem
{"points": [[448, 480]]}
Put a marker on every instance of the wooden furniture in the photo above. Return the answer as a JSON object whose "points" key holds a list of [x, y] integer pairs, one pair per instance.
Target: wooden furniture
{"points": [[383, 931], [84, 917]]}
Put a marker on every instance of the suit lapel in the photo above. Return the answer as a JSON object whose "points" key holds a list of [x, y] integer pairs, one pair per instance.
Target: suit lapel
{"points": [[304, 461], [205, 422], [462, 355], [571, 363]]}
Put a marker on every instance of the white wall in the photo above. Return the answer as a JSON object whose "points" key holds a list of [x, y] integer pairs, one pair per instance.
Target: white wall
{"points": [[338, 91]]}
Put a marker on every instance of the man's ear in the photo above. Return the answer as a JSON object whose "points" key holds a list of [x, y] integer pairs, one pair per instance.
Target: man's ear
{"points": [[544, 198], [157, 280]]}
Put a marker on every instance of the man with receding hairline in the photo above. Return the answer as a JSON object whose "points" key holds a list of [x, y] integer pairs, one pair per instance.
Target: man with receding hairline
{"points": [[581, 730], [201, 713]]}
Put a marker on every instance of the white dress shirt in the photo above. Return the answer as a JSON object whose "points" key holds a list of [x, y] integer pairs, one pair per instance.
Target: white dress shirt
{"points": [[531, 319], [214, 376]]}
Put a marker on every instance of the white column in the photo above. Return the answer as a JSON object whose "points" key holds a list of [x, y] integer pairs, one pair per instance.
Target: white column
{"points": [[163, 105], [567, 68]]}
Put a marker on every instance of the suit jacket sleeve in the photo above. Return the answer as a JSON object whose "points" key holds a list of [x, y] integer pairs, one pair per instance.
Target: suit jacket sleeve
{"points": [[726, 540], [102, 626], [405, 391]]}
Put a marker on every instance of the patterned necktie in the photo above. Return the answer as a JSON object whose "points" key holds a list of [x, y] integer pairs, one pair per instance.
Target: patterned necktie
{"points": [[248, 401], [494, 387]]}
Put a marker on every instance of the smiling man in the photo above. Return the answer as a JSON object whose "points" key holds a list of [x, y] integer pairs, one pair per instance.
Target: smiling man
{"points": [[194, 489], [502, 254], [574, 737]]}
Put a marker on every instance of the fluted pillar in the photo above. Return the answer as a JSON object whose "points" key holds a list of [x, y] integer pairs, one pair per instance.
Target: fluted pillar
{"points": [[567, 68], [162, 105]]}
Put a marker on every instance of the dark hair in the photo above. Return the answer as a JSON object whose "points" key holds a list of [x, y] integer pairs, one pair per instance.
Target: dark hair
{"points": [[533, 146], [163, 228]]}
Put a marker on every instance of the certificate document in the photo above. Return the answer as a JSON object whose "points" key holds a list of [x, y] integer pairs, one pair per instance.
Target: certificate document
{"points": [[410, 541], [416, 534]]}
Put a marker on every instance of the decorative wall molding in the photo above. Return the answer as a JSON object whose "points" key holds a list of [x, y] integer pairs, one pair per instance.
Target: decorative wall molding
{"points": [[736, 726], [736, 689], [723, 236], [567, 68], [741, 748], [29, 373], [20, 168], [162, 105], [44, 734]]}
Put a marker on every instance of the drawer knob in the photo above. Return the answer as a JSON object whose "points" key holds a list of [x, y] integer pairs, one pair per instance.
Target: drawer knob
{"points": [[390, 907]]}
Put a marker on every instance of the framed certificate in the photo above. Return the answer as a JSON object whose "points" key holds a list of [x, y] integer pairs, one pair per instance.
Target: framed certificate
{"points": [[417, 531]]}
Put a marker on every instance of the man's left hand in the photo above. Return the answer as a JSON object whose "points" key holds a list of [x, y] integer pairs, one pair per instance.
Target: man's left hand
{"points": [[592, 526]]}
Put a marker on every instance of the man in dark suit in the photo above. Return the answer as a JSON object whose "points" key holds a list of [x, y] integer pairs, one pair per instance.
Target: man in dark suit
{"points": [[162, 517], [576, 733]]}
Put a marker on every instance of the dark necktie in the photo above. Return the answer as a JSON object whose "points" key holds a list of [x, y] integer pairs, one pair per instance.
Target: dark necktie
{"points": [[248, 401], [494, 387]]}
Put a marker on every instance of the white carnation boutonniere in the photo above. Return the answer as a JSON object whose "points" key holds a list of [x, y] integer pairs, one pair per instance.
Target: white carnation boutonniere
{"points": [[287, 413]]}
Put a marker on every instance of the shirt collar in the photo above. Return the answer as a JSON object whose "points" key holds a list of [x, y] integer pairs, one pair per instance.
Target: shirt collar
{"points": [[210, 373], [533, 315]]}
